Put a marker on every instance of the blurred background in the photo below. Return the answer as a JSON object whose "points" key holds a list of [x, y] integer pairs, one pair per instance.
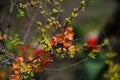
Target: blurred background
{"points": [[90, 23]]}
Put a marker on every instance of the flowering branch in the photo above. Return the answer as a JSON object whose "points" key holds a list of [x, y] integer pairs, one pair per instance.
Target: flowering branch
{"points": [[75, 13], [60, 44]]}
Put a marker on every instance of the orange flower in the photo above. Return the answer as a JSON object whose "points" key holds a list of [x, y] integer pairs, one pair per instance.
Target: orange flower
{"points": [[17, 72], [53, 41], [69, 33], [69, 28], [19, 59], [67, 43], [60, 38], [16, 65]]}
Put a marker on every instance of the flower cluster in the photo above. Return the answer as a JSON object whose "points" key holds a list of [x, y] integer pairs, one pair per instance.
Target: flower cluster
{"points": [[24, 66], [18, 67], [63, 43]]}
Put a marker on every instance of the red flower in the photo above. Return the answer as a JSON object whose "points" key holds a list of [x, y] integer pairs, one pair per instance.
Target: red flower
{"points": [[92, 43], [39, 52]]}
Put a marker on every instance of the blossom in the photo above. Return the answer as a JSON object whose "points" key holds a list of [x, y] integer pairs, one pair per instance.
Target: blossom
{"points": [[69, 28], [16, 65], [60, 38], [53, 41], [69, 33], [67, 43], [92, 43], [19, 59], [39, 52]]}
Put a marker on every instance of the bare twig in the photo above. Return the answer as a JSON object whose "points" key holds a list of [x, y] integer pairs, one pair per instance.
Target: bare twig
{"points": [[69, 66], [29, 26], [9, 17], [8, 24], [5, 35], [29, 61]]}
